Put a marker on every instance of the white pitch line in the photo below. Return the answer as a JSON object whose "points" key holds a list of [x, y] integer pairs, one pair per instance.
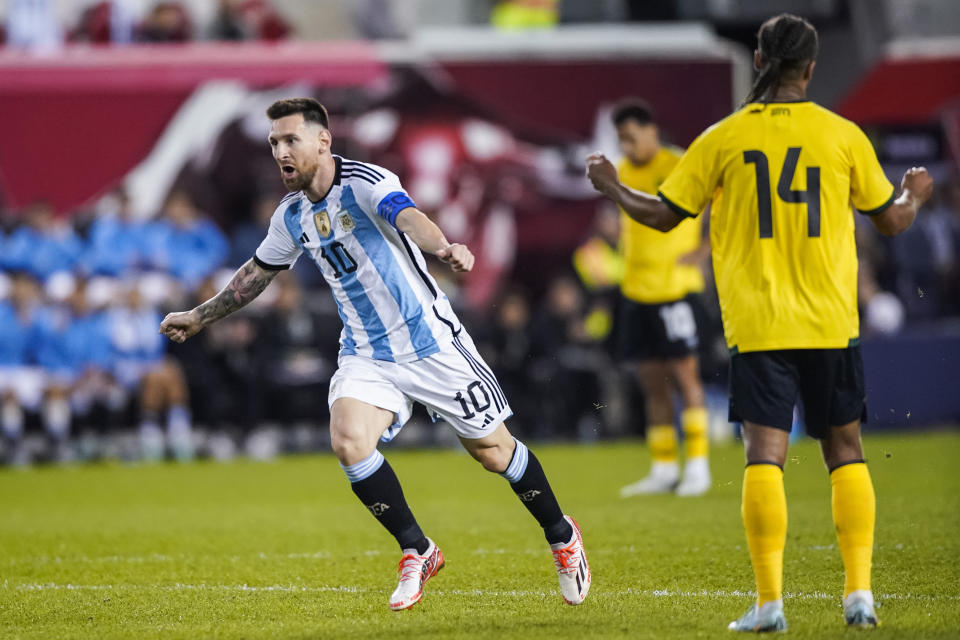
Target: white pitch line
{"points": [[325, 555], [514, 593]]}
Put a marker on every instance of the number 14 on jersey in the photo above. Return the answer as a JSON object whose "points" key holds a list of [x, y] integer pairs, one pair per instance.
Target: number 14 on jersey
{"points": [[809, 196]]}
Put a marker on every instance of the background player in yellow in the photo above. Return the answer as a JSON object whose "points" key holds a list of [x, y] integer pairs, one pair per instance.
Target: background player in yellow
{"points": [[786, 267], [659, 310]]}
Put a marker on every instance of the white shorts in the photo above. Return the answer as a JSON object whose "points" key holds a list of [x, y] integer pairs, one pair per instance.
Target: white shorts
{"points": [[454, 384], [25, 383]]}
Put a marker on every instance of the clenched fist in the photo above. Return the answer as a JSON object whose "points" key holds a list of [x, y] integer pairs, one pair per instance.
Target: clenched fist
{"points": [[458, 256], [180, 326], [919, 183], [601, 172]]}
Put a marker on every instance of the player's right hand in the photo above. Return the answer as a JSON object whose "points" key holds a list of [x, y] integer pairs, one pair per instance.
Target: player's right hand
{"points": [[601, 171], [181, 325], [458, 256], [919, 183]]}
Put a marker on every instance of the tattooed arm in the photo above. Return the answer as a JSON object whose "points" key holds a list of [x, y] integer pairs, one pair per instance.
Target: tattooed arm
{"points": [[249, 282]]}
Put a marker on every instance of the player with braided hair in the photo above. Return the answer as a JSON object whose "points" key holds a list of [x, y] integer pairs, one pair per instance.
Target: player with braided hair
{"points": [[785, 261], [786, 46]]}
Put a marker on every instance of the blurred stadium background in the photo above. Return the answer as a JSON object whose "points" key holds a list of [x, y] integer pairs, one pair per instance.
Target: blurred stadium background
{"points": [[134, 178]]}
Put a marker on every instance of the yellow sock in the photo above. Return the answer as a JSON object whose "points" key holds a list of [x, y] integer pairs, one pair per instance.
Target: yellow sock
{"points": [[764, 511], [854, 514], [662, 440], [694, 422]]}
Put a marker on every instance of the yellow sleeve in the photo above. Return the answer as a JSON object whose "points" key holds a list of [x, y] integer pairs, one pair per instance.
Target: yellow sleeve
{"points": [[691, 184], [870, 191]]}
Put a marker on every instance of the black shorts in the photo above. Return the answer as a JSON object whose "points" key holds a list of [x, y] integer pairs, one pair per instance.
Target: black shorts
{"points": [[764, 386], [659, 331]]}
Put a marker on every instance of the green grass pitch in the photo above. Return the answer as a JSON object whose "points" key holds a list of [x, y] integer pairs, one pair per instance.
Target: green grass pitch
{"points": [[283, 549]]}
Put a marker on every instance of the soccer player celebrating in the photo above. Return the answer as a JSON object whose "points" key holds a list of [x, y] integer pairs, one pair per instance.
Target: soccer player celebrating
{"points": [[401, 341], [658, 326], [782, 234]]}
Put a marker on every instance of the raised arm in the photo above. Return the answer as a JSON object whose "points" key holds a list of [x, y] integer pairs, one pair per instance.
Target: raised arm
{"points": [[248, 282], [646, 209], [430, 238], [915, 189]]}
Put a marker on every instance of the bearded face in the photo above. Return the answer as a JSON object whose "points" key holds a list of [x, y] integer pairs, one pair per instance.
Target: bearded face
{"points": [[297, 145]]}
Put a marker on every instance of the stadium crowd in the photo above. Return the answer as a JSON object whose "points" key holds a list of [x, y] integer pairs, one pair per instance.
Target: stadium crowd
{"points": [[36, 24], [81, 362]]}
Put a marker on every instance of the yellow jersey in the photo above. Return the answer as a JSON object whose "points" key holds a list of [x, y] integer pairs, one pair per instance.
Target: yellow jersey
{"points": [[781, 229], [652, 273]]}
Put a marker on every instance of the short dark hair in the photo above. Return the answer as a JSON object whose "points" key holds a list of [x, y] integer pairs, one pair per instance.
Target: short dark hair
{"points": [[311, 110], [634, 109]]}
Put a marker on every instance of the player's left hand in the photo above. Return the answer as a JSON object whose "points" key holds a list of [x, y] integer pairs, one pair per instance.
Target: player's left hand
{"points": [[601, 171], [458, 256]]}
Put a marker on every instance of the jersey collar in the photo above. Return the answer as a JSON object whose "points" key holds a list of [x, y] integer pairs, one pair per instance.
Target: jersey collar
{"points": [[338, 163], [337, 160]]}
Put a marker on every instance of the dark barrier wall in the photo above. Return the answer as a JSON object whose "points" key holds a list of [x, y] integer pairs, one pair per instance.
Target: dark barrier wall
{"points": [[913, 378]]}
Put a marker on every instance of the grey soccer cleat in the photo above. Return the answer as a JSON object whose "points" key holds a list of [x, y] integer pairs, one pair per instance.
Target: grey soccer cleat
{"points": [[763, 619], [858, 610]]}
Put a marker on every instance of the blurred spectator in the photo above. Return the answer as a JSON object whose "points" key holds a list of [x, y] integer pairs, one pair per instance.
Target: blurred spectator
{"points": [[71, 344], [377, 19], [881, 311], [600, 265], [21, 383], [247, 236], [94, 395], [245, 19], [525, 14], [228, 24], [33, 25], [184, 243], [166, 22], [141, 367], [123, 20], [116, 242], [507, 348], [108, 21], [953, 279], [566, 363], [290, 359], [598, 261], [42, 245], [917, 278], [943, 229], [224, 383], [94, 24]]}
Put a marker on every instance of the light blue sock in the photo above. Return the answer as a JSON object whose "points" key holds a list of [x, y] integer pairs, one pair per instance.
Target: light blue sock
{"points": [[365, 468]]}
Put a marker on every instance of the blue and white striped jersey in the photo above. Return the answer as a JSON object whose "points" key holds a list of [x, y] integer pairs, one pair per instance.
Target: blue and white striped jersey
{"points": [[391, 307]]}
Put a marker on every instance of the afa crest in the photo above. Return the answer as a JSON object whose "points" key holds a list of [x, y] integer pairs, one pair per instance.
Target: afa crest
{"points": [[346, 222], [322, 221]]}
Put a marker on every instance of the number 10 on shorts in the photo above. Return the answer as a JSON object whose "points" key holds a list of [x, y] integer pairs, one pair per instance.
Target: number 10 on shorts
{"points": [[479, 399], [679, 322]]}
